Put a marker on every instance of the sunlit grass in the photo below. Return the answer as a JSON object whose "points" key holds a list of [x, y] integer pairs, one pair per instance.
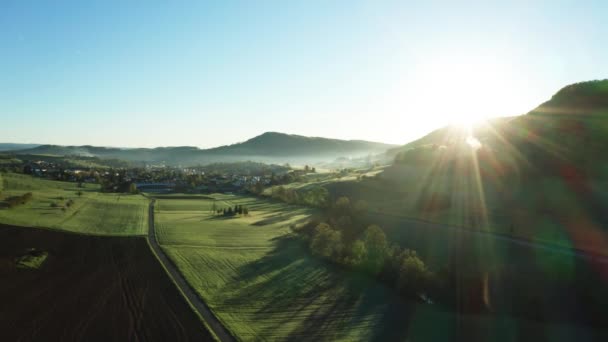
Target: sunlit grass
{"points": [[92, 212]]}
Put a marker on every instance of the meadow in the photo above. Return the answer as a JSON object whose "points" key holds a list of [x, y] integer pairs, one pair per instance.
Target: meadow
{"points": [[263, 284], [91, 212]]}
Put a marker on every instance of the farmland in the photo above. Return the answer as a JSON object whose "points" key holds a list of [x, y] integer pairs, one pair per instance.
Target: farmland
{"points": [[263, 284], [89, 288], [92, 212]]}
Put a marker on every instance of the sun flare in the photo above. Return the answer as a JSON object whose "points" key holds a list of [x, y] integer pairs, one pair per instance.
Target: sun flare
{"points": [[466, 91]]}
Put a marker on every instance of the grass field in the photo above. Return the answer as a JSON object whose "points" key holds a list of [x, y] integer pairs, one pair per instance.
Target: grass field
{"points": [[92, 212], [263, 284]]}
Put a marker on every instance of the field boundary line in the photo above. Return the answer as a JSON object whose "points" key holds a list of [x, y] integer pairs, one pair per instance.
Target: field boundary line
{"points": [[208, 318]]}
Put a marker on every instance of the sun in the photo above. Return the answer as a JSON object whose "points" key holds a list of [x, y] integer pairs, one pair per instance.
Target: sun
{"points": [[465, 91]]}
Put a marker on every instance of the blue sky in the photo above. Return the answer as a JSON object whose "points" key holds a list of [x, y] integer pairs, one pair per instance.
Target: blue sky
{"points": [[168, 73]]}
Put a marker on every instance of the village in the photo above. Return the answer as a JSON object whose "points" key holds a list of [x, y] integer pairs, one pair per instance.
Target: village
{"points": [[159, 178]]}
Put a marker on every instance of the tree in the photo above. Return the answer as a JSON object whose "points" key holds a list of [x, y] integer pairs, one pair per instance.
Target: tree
{"points": [[225, 212], [376, 246], [342, 205], [79, 193], [229, 211], [214, 206], [413, 273], [358, 253], [326, 242], [360, 207], [246, 211]]}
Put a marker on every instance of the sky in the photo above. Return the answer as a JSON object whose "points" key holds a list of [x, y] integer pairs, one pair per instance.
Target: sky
{"points": [[209, 73]]}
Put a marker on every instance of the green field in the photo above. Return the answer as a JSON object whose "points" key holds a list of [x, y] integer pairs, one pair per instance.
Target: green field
{"points": [[263, 285], [92, 212]]}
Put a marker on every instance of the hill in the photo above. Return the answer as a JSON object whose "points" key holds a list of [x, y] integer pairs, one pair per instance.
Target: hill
{"points": [[13, 147], [571, 127], [268, 147], [541, 176]]}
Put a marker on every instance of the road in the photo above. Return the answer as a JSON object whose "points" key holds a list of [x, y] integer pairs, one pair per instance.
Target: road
{"points": [[212, 322]]}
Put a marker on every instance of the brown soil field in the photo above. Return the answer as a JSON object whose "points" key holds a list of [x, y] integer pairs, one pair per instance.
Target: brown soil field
{"points": [[89, 288]]}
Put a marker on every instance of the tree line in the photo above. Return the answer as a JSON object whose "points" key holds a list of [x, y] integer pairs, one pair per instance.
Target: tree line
{"points": [[316, 196], [342, 235], [238, 210]]}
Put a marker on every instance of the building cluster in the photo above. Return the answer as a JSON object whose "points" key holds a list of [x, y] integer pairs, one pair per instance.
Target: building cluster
{"points": [[160, 178]]}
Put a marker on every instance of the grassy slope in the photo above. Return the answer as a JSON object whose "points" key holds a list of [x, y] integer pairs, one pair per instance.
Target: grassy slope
{"points": [[93, 212], [264, 285]]}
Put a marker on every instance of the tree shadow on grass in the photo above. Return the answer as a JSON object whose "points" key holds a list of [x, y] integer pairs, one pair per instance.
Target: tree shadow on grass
{"points": [[220, 218], [280, 217], [315, 300]]}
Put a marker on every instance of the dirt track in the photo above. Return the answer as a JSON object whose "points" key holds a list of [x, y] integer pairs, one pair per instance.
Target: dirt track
{"points": [[89, 289]]}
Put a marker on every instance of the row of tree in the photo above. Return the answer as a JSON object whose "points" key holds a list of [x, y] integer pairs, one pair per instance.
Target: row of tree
{"points": [[316, 196], [238, 210]]}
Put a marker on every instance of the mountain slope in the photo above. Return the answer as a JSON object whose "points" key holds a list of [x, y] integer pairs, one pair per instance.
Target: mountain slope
{"points": [[269, 147], [570, 127], [280, 144], [540, 176]]}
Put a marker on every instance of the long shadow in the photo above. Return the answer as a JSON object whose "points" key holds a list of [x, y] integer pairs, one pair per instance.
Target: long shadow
{"points": [[276, 218], [327, 301]]}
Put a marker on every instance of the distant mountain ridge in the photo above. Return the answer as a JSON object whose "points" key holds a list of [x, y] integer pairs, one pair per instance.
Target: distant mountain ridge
{"points": [[13, 146], [268, 147]]}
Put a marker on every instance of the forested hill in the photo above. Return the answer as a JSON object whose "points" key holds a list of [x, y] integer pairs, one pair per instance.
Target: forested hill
{"points": [[571, 127]]}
